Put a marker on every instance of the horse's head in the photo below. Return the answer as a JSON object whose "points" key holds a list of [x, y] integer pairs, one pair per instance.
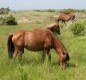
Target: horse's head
{"points": [[72, 17], [63, 59], [55, 28]]}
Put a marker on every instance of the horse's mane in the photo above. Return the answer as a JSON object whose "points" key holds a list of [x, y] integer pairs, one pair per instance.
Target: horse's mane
{"points": [[53, 24], [61, 44], [45, 29]]}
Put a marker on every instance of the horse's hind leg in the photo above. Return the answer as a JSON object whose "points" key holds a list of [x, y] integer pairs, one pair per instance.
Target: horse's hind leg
{"points": [[20, 53], [15, 53]]}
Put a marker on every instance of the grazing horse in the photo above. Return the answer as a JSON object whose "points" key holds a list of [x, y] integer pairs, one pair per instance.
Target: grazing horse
{"points": [[36, 40], [54, 28], [64, 17]]}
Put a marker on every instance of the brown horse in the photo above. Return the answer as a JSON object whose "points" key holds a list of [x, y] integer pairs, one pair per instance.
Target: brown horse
{"points": [[54, 28], [36, 40], [64, 17]]}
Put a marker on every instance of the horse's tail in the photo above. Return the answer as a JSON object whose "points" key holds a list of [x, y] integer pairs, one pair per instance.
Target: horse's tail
{"points": [[10, 46]]}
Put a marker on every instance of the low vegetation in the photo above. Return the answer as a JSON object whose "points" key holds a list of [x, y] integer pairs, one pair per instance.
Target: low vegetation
{"points": [[78, 28]]}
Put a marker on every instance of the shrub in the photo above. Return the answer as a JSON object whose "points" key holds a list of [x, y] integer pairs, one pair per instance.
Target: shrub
{"points": [[10, 20], [77, 29]]}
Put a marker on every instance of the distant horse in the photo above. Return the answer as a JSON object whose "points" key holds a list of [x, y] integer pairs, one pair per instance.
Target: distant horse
{"points": [[36, 40], [54, 28], [64, 17]]}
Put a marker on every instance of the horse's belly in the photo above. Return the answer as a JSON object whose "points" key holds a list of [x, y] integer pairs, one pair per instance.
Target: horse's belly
{"points": [[34, 48]]}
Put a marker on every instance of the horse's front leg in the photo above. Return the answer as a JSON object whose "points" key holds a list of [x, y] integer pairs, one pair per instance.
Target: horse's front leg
{"points": [[64, 22], [49, 55], [43, 56], [15, 53]]}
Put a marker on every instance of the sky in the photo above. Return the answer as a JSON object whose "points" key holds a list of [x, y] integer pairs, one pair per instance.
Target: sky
{"points": [[42, 4]]}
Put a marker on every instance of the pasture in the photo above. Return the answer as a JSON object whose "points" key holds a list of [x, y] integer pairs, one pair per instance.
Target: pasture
{"points": [[31, 67]]}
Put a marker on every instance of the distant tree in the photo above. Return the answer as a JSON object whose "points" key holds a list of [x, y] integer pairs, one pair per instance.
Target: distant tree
{"points": [[51, 10], [4, 10]]}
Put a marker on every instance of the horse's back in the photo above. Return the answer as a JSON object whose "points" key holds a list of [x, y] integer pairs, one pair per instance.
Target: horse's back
{"points": [[38, 35]]}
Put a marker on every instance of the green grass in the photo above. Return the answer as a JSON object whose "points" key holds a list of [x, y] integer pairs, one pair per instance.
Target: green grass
{"points": [[31, 67]]}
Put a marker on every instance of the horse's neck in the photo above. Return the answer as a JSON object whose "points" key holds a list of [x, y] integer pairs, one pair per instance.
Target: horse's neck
{"points": [[58, 45]]}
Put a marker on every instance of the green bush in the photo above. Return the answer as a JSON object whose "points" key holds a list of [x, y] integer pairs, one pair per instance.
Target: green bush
{"points": [[77, 29], [10, 20]]}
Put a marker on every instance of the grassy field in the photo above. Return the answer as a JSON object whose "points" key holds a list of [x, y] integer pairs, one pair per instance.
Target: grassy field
{"points": [[31, 67]]}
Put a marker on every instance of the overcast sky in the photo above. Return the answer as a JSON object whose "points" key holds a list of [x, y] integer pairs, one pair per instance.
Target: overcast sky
{"points": [[43, 4]]}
